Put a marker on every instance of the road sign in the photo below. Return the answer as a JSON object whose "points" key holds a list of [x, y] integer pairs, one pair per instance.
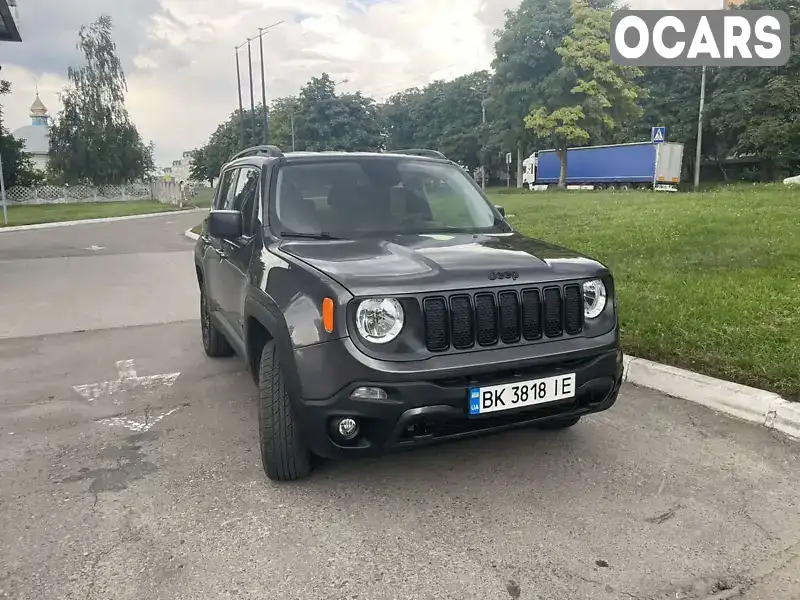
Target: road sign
{"points": [[508, 158], [658, 135]]}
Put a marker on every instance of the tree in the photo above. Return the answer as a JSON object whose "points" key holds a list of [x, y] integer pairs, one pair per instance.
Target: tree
{"points": [[18, 168], [325, 121], [589, 95], [753, 110], [93, 139]]}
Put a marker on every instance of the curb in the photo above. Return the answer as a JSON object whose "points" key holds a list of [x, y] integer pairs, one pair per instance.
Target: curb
{"points": [[100, 220], [191, 235], [740, 401]]}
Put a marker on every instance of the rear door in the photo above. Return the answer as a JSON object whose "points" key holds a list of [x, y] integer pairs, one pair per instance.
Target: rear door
{"points": [[239, 252], [668, 163]]}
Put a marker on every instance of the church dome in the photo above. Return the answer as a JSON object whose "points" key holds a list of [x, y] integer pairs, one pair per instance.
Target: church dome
{"points": [[38, 109], [36, 135]]}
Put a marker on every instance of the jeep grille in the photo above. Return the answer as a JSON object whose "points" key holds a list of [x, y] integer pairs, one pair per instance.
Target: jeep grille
{"points": [[485, 318]]}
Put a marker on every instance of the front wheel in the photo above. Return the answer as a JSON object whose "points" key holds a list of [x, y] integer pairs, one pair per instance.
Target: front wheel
{"points": [[284, 455]]}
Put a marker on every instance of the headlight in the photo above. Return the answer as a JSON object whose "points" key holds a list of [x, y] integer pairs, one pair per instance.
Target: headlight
{"points": [[594, 298], [379, 320]]}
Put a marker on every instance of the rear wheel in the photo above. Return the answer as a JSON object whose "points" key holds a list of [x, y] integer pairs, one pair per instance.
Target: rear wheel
{"points": [[556, 424], [214, 343], [284, 455]]}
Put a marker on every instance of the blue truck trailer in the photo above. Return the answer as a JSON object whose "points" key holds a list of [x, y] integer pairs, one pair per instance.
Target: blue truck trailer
{"points": [[620, 166]]}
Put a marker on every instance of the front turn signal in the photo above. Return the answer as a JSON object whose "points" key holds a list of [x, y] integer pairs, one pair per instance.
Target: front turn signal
{"points": [[327, 315]]}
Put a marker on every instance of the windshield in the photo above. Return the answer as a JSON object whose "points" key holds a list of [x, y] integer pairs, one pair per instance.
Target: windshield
{"points": [[369, 196]]}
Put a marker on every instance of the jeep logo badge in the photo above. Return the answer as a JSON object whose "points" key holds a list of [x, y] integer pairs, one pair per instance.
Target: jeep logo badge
{"points": [[503, 275]]}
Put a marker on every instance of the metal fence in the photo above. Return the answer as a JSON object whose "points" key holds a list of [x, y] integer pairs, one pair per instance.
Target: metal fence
{"points": [[51, 194]]}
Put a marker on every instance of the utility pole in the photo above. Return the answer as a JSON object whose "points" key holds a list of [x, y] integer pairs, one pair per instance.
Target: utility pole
{"points": [[239, 86], [292, 129], [265, 111], [483, 166], [252, 98], [3, 192], [263, 85], [700, 130]]}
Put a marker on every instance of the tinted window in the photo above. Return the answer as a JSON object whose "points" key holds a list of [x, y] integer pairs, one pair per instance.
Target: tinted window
{"points": [[244, 196], [378, 196], [224, 189]]}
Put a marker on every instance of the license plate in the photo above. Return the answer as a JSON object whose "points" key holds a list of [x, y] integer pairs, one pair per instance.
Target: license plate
{"points": [[518, 395]]}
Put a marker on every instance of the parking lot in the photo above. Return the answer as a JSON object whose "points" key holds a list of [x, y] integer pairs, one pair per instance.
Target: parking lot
{"points": [[129, 469]]}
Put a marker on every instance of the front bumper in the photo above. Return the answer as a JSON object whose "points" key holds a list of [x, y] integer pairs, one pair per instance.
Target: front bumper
{"points": [[432, 406]]}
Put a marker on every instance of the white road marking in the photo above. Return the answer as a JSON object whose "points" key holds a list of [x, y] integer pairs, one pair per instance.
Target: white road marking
{"points": [[95, 248], [135, 425], [128, 380]]}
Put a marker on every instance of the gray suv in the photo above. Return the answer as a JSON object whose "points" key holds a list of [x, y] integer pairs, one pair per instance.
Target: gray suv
{"points": [[380, 301]]}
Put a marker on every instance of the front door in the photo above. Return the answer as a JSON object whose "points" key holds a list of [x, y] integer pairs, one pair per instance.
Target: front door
{"points": [[215, 252], [239, 252]]}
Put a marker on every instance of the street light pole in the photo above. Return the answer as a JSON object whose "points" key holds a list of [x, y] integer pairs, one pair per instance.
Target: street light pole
{"points": [[700, 130], [263, 85], [292, 129], [265, 110], [252, 98], [483, 166], [3, 192], [239, 89]]}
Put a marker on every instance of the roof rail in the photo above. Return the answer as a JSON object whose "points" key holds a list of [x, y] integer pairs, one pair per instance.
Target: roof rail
{"points": [[421, 152], [271, 151]]}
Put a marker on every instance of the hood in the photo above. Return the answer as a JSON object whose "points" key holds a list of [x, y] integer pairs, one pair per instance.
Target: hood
{"points": [[426, 263]]}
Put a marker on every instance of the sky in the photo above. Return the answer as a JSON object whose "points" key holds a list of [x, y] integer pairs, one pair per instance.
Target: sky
{"points": [[179, 58]]}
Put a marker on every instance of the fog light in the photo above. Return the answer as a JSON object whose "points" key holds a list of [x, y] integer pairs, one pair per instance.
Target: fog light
{"points": [[369, 393], [347, 428]]}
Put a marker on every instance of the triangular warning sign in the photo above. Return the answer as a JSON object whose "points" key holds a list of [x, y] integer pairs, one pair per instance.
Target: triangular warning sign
{"points": [[659, 136]]}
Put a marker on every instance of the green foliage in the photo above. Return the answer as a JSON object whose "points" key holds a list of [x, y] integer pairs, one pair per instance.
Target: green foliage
{"points": [[553, 85], [444, 115], [705, 281], [18, 168], [593, 95], [754, 111], [325, 121], [93, 139]]}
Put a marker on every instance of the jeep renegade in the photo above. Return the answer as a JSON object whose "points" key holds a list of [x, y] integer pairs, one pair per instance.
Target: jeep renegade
{"points": [[380, 301]]}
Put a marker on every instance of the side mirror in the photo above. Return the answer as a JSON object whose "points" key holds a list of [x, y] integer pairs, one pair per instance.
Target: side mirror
{"points": [[225, 224], [500, 209]]}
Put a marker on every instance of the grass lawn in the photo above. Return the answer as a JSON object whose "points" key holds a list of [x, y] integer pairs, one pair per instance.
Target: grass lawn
{"points": [[203, 197], [708, 281], [51, 213]]}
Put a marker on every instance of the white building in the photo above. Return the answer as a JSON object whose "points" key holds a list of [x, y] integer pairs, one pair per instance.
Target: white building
{"points": [[180, 169], [36, 135]]}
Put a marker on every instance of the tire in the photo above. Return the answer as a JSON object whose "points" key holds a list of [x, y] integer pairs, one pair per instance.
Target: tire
{"points": [[214, 343], [284, 455], [557, 424]]}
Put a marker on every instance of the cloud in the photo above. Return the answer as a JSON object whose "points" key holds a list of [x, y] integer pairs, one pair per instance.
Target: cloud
{"points": [[180, 63]]}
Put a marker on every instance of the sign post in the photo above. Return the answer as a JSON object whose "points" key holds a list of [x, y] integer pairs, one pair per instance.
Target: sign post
{"points": [[3, 192], [508, 169], [658, 135]]}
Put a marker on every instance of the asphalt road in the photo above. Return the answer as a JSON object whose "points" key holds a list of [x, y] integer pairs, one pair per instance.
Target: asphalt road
{"points": [[151, 488]]}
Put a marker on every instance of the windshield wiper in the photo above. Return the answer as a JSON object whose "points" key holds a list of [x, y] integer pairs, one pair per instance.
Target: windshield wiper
{"points": [[322, 235]]}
